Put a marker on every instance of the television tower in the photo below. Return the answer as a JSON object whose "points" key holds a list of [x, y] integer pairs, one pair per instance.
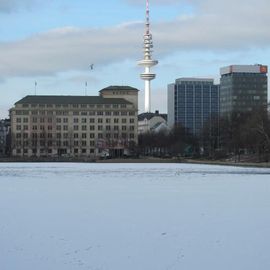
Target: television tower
{"points": [[147, 62]]}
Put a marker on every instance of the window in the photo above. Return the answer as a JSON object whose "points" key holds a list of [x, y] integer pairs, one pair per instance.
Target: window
{"points": [[84, 127], [92, 127], [116, 120], [100, 120], [100, 127], [84, 135], [83, 143], [92, 143], [76, 127], [132, 121], [92, 120], [65, 143]]}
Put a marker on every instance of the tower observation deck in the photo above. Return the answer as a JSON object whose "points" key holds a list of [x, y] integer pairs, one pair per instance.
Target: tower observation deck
{"points": [[147, 62]]}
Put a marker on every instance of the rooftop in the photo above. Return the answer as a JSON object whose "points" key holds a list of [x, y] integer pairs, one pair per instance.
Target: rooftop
{"points": [[119, 88], [208, 80], [66, 100], [149, 116], [258, 69]]}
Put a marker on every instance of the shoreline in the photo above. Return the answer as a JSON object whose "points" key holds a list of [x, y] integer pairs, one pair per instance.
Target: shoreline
{"points": [[140, 160]]}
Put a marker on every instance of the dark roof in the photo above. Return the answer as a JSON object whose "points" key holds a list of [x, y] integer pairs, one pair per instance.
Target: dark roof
{"points": [[119, 88], [149, 116], [71, 100]]}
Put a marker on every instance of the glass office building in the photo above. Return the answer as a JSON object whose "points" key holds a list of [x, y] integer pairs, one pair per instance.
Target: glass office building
{"points": [[192, 102], [243, 88]]}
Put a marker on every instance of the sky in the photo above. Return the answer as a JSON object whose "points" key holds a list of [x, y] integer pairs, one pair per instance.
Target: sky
{"points": [[53, 42]]}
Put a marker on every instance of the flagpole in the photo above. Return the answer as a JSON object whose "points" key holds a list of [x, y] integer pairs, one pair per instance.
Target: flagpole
{"points": [[35, 88], [86, 88]]}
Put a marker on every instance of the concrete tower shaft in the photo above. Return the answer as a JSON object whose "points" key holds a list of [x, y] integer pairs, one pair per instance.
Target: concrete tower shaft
{"points": [[147, 62]]}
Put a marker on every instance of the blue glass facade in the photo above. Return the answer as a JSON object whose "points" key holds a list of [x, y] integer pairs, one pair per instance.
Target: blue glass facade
{"points": [[194, 101]]}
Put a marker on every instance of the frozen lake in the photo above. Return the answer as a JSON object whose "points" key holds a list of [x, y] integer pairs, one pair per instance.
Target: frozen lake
{"points": [[134, 217]]}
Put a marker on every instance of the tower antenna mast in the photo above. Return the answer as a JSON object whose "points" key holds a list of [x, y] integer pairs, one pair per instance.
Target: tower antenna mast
{"points": [[147, 62]]}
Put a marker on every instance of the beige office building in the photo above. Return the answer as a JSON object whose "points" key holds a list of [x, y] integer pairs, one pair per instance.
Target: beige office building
{"points": [[76, 126]]}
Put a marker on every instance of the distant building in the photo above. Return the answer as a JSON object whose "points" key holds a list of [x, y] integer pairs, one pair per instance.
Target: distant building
{"points": [[4, 133], [76, 125], [152, 122], [192, 102], [243, 88]]}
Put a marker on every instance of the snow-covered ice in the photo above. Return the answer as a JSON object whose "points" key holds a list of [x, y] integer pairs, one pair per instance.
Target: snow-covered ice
{"points": [[133, 217]]}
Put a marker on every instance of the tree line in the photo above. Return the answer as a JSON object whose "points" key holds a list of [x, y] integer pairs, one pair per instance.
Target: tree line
{"points": [[234, 136]]}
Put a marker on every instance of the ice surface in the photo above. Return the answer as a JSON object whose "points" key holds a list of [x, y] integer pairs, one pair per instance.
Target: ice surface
{"points": [[133, 217]]}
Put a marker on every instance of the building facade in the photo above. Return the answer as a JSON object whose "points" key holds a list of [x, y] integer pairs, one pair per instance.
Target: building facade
{"points": [[192, 102], [152, 122], [243, 88], [76, 126], [4, 133]]}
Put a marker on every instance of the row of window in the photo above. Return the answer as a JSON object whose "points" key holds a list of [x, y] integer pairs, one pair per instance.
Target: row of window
{"points": [[91, 106], [75, 127], [50, 151], [68, 135], [59, 142], [75, 120], [83, 113]]}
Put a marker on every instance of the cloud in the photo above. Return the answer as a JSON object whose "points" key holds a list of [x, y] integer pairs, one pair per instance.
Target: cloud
{"points": [[11, 5], [214, 27]]}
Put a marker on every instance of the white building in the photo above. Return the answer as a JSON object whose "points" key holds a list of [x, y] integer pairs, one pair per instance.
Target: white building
{"points": [[152, 122]]}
